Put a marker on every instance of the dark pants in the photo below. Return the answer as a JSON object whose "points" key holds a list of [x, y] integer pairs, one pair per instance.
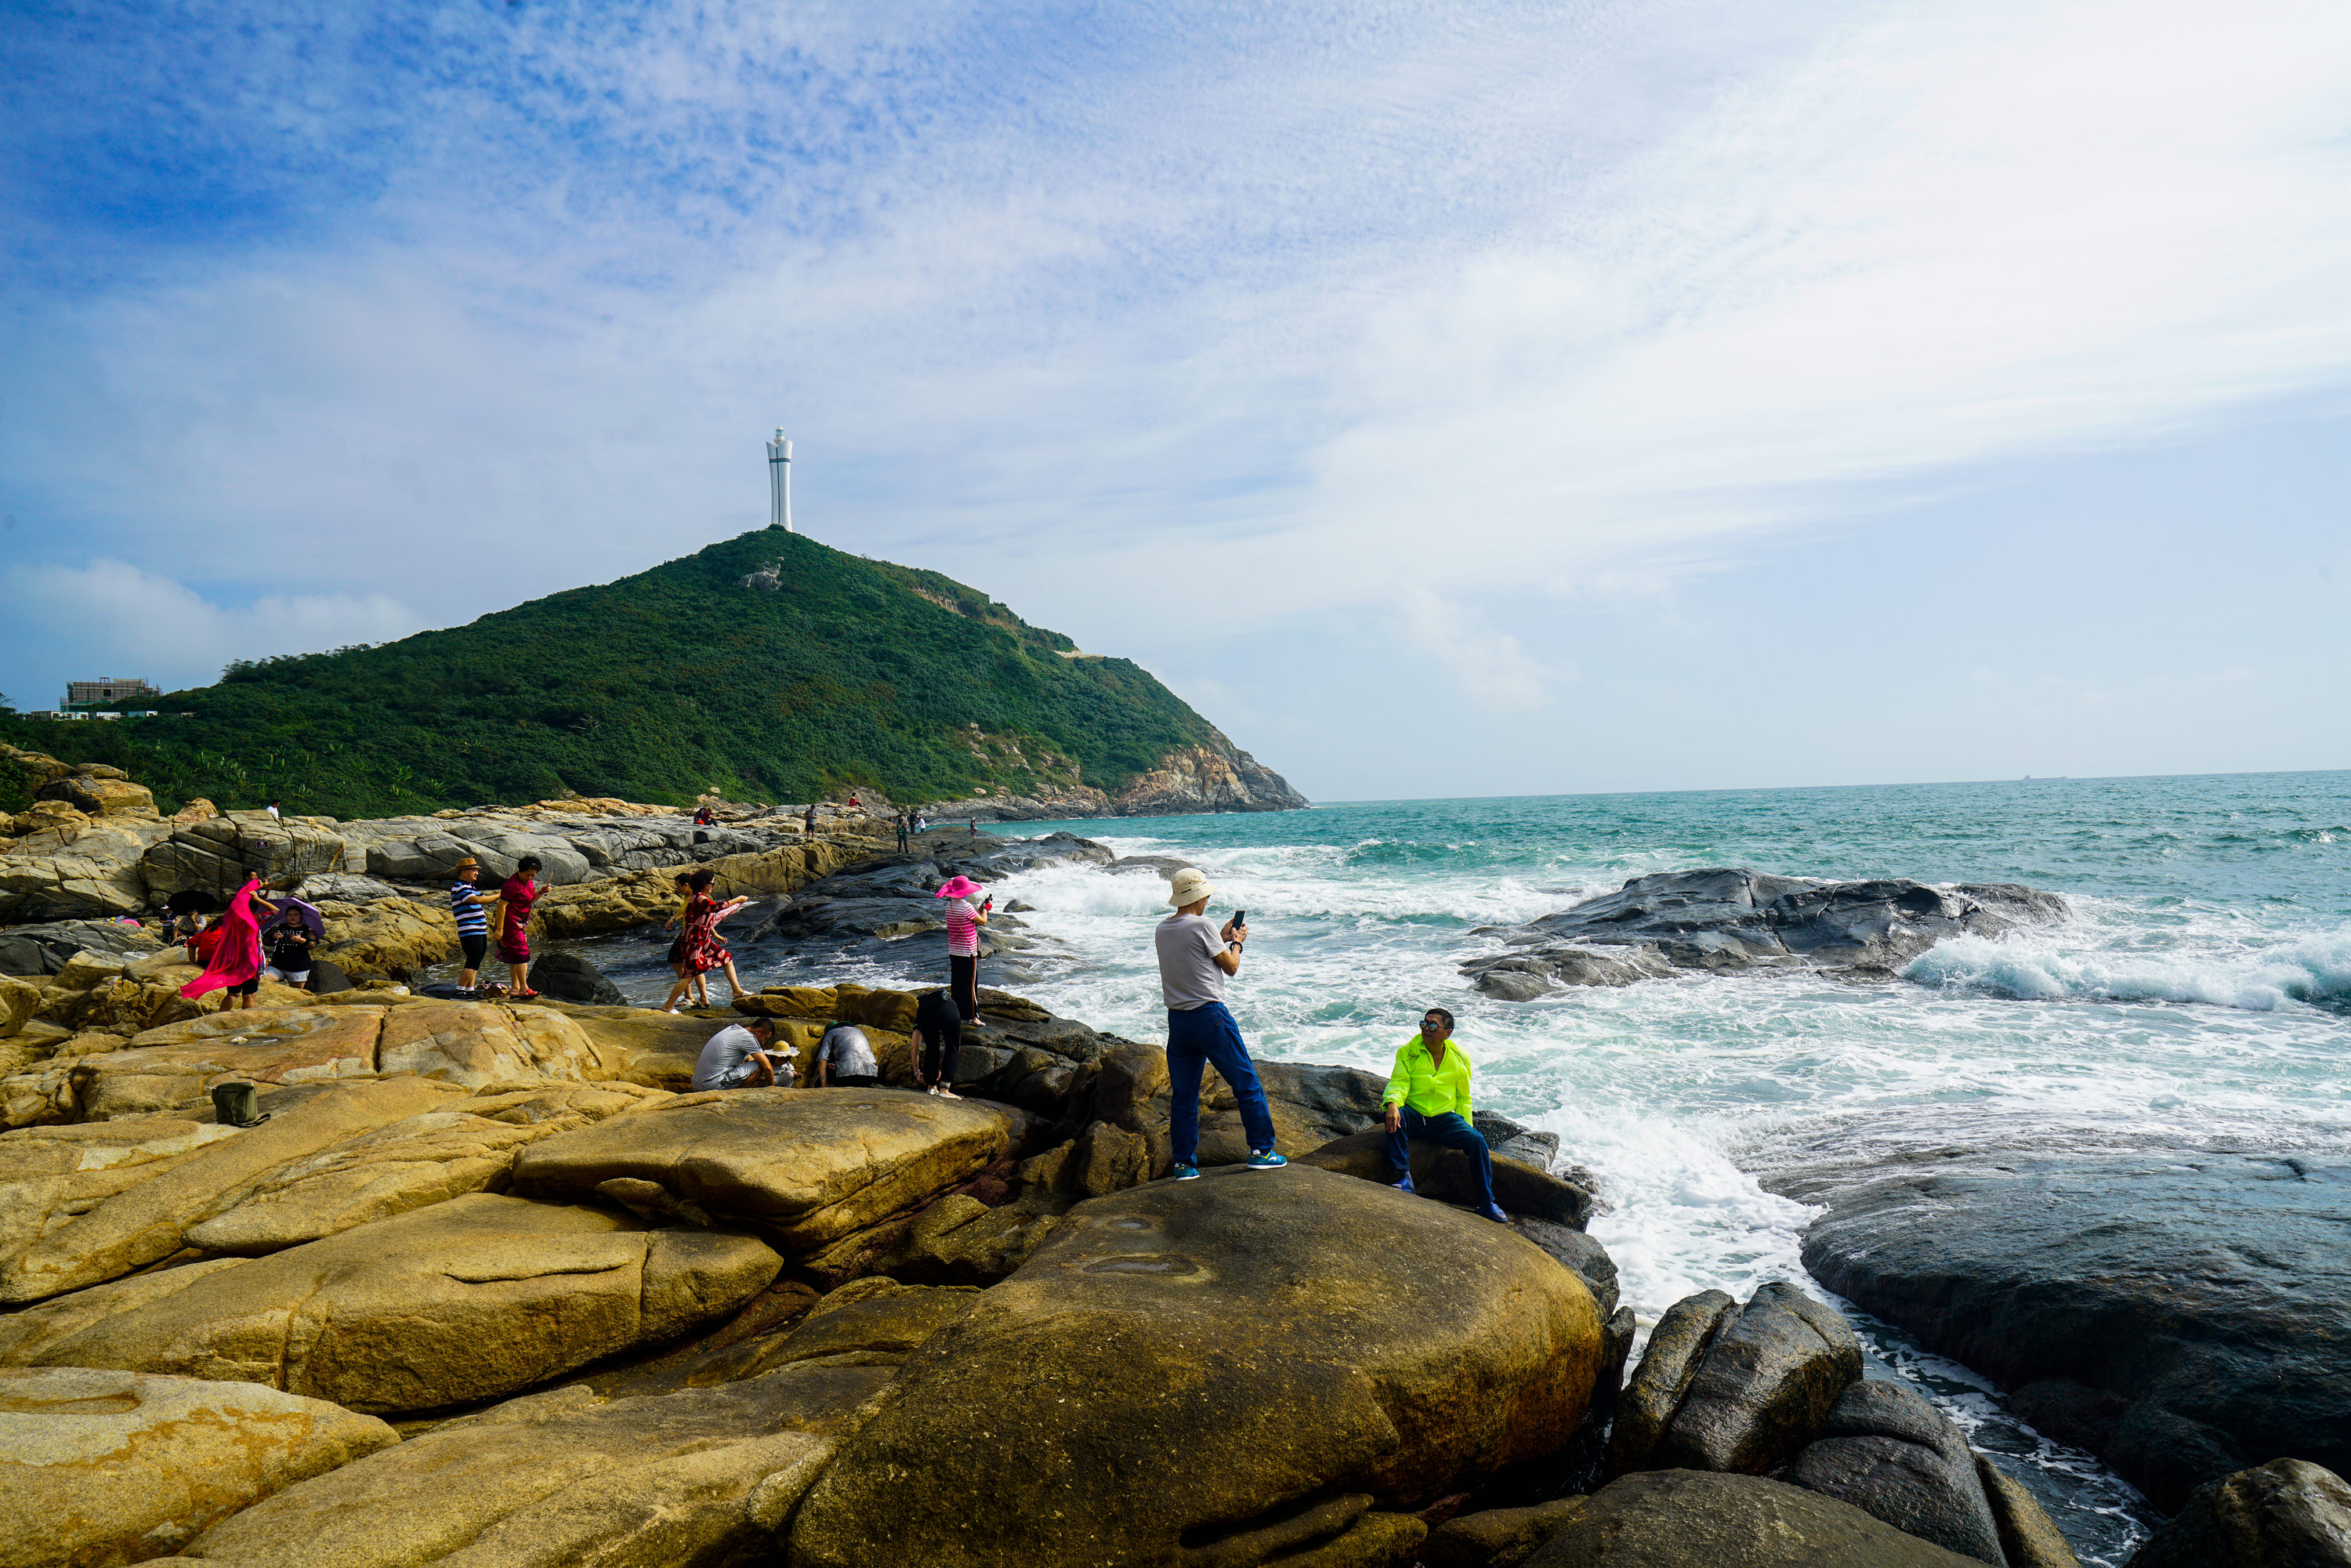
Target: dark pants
{"points": [[942, 1049], [855, 1080], [1448, 1130], [1198, 1038], [963, 984], [476, 946]]}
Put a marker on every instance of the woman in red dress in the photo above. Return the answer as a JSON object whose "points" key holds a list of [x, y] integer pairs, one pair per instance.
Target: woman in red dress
{"points": [[700, 950], [515, 895]]}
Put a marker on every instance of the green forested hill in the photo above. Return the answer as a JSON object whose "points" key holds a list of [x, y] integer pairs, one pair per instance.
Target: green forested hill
{"points": [[657, 687]]}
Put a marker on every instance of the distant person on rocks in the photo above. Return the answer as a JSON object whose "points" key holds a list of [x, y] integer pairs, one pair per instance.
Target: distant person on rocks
{"points": [[974, 826], [272, 810], [515, 895], [472, 908], [808, 820], [743, 1056], [702, 950], [844, 1059], [922, 823], [1428, 1097], [938, 1043], [232, 948], [703, 817], [900, 822], [964, 922], [1194, 958]]}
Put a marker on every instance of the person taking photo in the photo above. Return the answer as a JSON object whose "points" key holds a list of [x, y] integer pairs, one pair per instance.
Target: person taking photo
{"points": [[1194, 959]]}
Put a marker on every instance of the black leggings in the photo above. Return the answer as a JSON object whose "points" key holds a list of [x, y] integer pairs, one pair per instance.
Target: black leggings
{"points": [[942, 1047], [476, 946], [963, 984]]}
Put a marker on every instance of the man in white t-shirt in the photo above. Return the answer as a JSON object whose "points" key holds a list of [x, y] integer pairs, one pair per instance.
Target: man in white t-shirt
{"points": [[740, 1056], [1194, 958]]}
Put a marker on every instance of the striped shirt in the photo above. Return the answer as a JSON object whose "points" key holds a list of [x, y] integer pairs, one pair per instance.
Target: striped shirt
{"points": [[963, 933], [473, 920]]}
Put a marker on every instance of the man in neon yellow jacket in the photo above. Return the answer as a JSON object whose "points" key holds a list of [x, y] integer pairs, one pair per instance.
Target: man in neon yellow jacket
{"points": [[1428, 1097]]}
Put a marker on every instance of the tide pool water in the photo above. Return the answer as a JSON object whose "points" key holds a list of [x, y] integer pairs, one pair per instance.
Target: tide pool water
{"points": [[2202, 988]]}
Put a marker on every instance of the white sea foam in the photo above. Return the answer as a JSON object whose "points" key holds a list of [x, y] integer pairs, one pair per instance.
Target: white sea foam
{"points": [[2256, 979]]}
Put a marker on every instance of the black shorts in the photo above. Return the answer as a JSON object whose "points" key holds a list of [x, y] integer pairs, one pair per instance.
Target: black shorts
{"points": [[247, 988], [476, 946]]}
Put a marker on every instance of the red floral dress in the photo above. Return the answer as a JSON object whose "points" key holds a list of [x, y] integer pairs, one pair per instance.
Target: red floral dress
{"points": [[703, 951]]}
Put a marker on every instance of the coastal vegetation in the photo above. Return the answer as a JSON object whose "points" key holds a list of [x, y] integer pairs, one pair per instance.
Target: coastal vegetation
{"points": [[766, 667]]}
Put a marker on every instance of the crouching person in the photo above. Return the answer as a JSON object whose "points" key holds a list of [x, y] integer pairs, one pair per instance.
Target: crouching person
{"points": [[1428, 1097], [844, 1059], [743, 1056]]}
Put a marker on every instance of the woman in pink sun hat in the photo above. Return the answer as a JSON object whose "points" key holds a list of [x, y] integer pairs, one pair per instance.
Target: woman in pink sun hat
{"points": [[964, 922]]}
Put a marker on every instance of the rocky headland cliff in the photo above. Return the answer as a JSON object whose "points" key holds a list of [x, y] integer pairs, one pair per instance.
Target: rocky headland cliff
{"points": [[490, 1285], [764, 668]]}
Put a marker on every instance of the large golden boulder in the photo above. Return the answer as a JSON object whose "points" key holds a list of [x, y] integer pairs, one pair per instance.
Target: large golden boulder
{"points": [[468, 1299], [461, 1145], [389, 939], [102, 1467], [473, 1043], [819, 1171], [194, 1173], [179, 1064], [695, 1476], [1260, 1363]]}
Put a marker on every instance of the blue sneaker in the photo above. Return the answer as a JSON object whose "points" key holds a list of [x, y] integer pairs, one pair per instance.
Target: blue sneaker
{"points": [[1494, 1212], [1184, 1173], [1406, 1185], [1266, 1160]]}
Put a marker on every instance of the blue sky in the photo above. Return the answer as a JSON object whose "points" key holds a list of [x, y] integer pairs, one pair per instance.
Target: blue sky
{"points": [[1447, 399]]}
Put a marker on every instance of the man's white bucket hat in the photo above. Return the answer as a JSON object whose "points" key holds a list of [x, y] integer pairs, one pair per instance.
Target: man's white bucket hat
{"points": [[1189, 886]]}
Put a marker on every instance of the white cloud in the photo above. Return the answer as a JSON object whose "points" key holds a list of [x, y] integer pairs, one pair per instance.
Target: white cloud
{"points": [[1492, 668], [135, 623], [1255, 315]]}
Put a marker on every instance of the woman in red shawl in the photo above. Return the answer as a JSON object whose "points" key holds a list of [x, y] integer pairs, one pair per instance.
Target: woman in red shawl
{"points": [[235, 959], [700, 950]]}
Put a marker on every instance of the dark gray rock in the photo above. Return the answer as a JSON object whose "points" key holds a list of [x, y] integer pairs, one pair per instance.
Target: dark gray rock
{"points": [[1580, 1252], [1728, 919], [2207, 1293], [1676, 1349], [1687, 1518], [1162, 866], [327, 977], [1766, 1384], [2287, 1513], [1445, 1175], [44, 950], [569, 978], [1888, 1452]]}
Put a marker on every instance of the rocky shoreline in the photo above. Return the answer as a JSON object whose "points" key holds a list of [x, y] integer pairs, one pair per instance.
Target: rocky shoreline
{"points": [[489, 1283]]}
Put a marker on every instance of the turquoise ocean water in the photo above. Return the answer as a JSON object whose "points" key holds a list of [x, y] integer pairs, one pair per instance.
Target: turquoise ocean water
{"points": [[2201, 990]]}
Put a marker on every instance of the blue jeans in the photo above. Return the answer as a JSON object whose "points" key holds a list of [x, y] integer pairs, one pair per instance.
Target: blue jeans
{"points": [[1448, 1130], [1196, 1039]]}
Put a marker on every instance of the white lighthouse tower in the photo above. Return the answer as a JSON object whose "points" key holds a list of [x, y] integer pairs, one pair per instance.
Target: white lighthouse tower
{"points": [[780, 483]]}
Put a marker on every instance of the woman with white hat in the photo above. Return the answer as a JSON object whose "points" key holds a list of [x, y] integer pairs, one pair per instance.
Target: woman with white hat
{"points": [[1194, 958], [964, 922]]}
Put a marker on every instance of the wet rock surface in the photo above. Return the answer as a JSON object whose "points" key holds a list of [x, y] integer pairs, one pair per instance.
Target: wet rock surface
{"points": [[1735, 919], [1687, 1518], [2283, 1515], [2181, 1314], [1888, 1452]]}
